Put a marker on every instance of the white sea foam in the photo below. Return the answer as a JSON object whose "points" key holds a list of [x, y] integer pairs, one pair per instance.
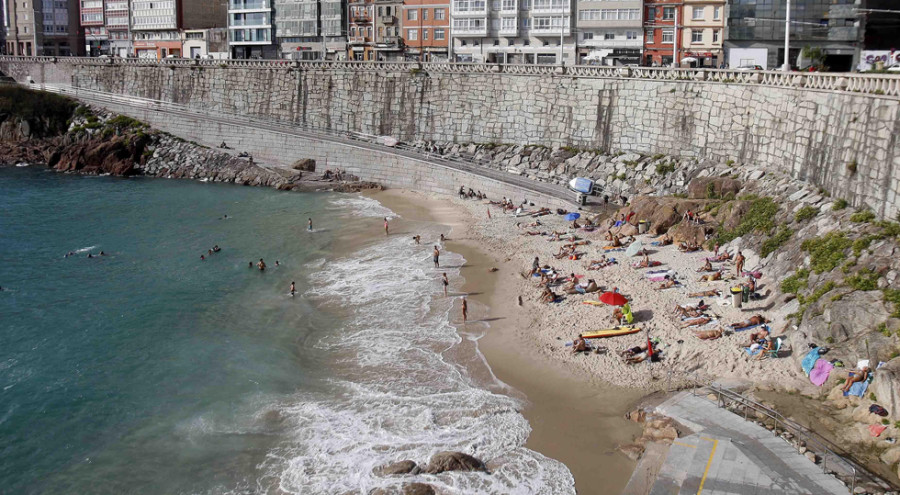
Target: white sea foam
{"points": [[397, 392], [86, 249], [361, 206]]}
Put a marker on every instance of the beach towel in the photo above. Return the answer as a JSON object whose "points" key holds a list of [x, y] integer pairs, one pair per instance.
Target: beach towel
{"points": [[820, 372], [858, 389], [876, 430], [810, 360], [748, 328], [862, 363], [752, 352]]}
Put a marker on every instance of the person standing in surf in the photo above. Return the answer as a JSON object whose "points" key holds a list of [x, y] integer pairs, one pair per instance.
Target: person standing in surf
{"points": [[261, 265], [445, 282], [293, 289], [436, 257], [385, 226], [465, 310], [309, 225]]}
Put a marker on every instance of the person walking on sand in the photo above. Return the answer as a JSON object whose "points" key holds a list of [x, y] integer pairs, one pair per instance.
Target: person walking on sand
{"points": [[309, 225], [445, 282], [293, 289], [385, 226], [436, 257], [739, 263], [465, 310]]}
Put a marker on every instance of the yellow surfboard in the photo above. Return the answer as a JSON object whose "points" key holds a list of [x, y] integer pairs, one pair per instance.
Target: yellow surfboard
{"points": [[610, 332]]}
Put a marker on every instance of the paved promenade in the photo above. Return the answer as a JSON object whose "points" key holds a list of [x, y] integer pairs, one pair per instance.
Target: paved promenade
{"points": [[728, 455]]}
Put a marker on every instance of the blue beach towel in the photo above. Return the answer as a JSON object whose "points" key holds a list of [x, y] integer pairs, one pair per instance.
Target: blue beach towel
{"points": [[809, 361], [858, 389], [753, 352]]}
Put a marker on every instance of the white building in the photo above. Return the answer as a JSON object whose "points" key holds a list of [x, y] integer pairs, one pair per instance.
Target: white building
{"points": [[250, 33], [513, 31], [311, 29], [609, 32]]}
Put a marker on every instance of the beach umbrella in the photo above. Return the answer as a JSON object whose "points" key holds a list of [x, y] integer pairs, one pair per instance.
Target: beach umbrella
{"points": [[572, 217], [634, 248], [613, 299]]}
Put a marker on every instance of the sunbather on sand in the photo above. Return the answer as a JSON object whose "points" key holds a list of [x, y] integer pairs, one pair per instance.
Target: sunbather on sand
{"points": [[689, 247], [668, 283], [580, 345], [548, 296], [720, 257], [645, 263], [564, 251], [591, 287], [601, 263], [858, 376], [709, 334], [767, 345], [753, 321], [616, 242], [707, 267], [712, 277], [665, 240], [705, 293], [763, 333], [631, 351], [688, 312], [696, 322]]}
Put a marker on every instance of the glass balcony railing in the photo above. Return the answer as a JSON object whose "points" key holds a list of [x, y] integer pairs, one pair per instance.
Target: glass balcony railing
{"points": [[249, 4], [251, 36]]}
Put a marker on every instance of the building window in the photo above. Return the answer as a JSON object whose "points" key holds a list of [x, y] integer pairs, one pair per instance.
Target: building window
{"points": [[717, 13], [651, 13], [696, 36], [698, 13], [609, 36], [425, 15], [439, 14], [618, 14], [413, 34], [438, 34], [630, 35], [509, 4], [425, 34], [668, 13], [650, 36], [412, 15], [715, 35], [668, 36], [587, 36]]}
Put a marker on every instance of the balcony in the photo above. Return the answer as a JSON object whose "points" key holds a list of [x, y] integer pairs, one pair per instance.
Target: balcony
{"points": [[620, 43], [249, 5], [359, 40], [360, 18], [470, 32], [470, 13], [387, 19], [509, 32], [551, 31], [509, 7], [552, 10], [389, 40]]}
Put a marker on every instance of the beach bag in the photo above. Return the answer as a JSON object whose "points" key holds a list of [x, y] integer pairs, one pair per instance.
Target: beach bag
{"points": [[876, 409]]}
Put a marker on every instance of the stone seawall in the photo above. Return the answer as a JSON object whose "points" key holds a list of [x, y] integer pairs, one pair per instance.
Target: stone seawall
{"points": [[842, 142]]}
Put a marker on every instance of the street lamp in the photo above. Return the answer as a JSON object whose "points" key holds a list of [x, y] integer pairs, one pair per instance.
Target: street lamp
{"points": [[787, 37]]}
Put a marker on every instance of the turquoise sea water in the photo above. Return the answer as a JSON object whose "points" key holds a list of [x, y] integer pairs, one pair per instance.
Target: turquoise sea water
{"points": [[150, 371]]}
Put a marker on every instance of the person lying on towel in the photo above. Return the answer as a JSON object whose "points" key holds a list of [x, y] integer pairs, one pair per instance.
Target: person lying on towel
{"points": [[752, 322], [709, 334], [856, 376]]}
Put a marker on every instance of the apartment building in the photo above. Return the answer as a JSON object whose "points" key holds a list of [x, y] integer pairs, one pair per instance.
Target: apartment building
{"points": [[426, 29], [703, 35], [755, 32], [205, 43], [662, 22], [96, 41], [250, 29], [609, 32], [361, 36], [311, 29], [513, 31], [388, 39], [117, 18], [44, 27]]}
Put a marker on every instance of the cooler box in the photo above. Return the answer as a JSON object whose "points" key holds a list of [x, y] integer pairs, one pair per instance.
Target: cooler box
{"points": [[582, 185]]}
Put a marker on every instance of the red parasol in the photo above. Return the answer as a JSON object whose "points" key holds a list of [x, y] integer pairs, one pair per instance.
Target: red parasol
{"points": [[613, 299]]}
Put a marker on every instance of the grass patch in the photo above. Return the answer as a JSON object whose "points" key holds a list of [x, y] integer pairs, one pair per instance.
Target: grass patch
{"points": [[759, 218], [884, 329], [776, 241], [852, 166], [839, 204], [729, 162], [826, 252], [829, 340], [864, 279], [796, 282], [665, 168], [862, 216], [806, 213], [817, 294], [893, 296], [658, 156]]}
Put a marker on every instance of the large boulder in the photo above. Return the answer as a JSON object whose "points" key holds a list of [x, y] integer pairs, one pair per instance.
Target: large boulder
{"points": [[661, 212], [406, 489], [690, 233], [453, 461], [713, 188], [305, 165], [399, 467], [886, 387]]}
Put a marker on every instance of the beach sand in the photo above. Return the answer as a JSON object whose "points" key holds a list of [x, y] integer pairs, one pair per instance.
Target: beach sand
{"points": [[576, 421]]}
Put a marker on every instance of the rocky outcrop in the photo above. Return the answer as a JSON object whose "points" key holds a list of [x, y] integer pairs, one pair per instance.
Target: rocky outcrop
{"points": [[399, 467], [453, 461], [660, 429], [116, 156], [713, 188], [406, 489], [305, 165], [886, 388]]}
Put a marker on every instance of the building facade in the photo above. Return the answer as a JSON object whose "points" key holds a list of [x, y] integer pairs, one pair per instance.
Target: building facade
{"points": [[92, 21], [205, 43], [609, 32], [361, 38], [662, 22], [118, 27], [703, 35], [250, 29], [388, 39], [44, 28], [513, 31], [755, 32], [311, 29], [426, 29]]}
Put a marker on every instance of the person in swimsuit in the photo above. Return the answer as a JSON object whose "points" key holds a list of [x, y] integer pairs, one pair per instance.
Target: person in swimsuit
{"points": [[309, 225], [580, 345], [293, 288], [465, 310], [860, 376], [202, 258], [445, 282], [249, 264], [443, 238], [385, 226], [417, 238], [261, 265], [436, 256], [739, 263]]}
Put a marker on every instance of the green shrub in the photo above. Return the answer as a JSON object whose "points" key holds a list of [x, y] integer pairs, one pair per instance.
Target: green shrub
{"points": [[883, 329], [806, 213], [872, 397], [46, 113], [885, 421], [839, 204], [665, 168], [851, 167], [796, 282], [658, 156], [729, 162], [862, 216], [121, 122], [817, 294], [759, 218], [893, 296], [829, 340], [864, 279], [826, 252], [621, 176], [776, 241], [862, 244]]}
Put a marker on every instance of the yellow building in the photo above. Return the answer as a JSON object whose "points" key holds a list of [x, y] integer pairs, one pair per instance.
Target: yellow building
{"points": [[703, 32]]}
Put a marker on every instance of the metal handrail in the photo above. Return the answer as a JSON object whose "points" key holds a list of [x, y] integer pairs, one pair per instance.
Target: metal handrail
{"points": [[809, 437], [477, 167]]}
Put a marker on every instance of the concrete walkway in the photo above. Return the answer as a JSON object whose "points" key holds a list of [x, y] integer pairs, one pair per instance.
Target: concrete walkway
{"points": [[728, 455]]}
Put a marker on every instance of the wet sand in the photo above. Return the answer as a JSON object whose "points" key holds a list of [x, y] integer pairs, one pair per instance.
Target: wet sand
{"points": [[576, 421]]}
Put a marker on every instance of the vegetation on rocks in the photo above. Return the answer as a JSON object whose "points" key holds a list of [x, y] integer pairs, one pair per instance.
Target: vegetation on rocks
{"points": [[862, 216], [759, 218], [806, 213], [776, 241], [827, 252], [796, 282], [42, 114]]}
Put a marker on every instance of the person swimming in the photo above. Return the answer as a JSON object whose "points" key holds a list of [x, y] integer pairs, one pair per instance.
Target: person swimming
{"points": [[90, 255], [202, 258], [216, 248], [277, 263], [309, 225], [261, 265]]}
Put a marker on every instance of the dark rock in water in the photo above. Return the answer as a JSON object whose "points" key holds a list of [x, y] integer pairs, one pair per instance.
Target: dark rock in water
{"points": [[399, 467], [406, 489], [453, 461], [115, 156], [305, 165]]}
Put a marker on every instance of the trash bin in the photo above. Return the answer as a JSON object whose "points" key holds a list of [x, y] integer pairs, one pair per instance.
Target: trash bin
{"points": [[643, 225], [736, 293], [745, 294]]}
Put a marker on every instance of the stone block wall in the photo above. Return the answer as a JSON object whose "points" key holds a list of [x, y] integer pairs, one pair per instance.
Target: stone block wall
{"points": [[842, 142]]}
